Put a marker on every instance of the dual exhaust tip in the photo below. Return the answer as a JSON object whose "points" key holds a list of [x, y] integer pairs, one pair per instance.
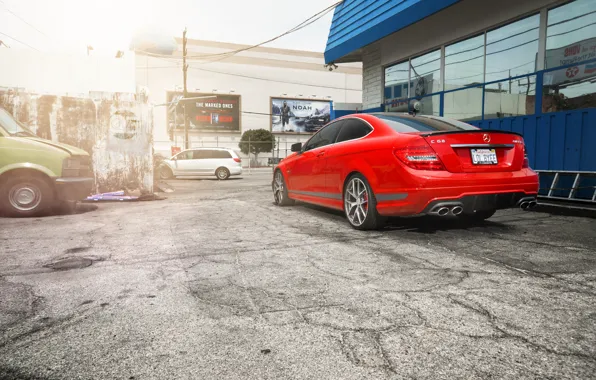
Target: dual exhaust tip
{"points": [[527, 205], [455, 210]]}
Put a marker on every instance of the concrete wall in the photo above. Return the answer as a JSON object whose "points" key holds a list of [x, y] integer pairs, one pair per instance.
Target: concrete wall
{"points": [[372, 77], [114, 128], [256, 75], [86, 101]]}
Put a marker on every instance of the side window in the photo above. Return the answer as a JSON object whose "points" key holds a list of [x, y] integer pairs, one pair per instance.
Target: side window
{"points": [[325, 136], [188, 155], [353, 129], [202, 154], [221, 154]]}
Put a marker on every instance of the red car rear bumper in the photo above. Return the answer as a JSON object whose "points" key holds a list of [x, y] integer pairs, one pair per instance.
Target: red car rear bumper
{"points": [[486, 193]]}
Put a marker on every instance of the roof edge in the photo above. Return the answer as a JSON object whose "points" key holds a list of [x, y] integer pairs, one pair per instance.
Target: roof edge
{"points": [[395, 23]]}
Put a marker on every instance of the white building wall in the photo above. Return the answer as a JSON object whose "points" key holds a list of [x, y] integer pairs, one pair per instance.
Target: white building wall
{"points": [[256, 76]]}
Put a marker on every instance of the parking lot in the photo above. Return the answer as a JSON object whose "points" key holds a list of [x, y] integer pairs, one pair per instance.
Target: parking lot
{"points": [[216, 282]]}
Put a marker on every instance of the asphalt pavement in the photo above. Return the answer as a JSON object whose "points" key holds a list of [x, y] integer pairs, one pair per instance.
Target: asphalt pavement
{"points": [[216, 282]]}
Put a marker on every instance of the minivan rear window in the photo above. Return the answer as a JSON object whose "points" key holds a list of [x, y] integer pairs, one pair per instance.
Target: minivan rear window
{"points": [[404, 123], [221, 154]]}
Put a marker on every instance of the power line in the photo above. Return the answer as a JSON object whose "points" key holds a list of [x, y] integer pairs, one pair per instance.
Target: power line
{"points": [[23, 20], [302, 25], [273, 80], [224, 55], [571, 18], [21, 42], [247, 76]]}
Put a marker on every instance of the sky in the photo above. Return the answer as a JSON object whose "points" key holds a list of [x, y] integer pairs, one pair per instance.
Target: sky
{"points": [[108, 25]]}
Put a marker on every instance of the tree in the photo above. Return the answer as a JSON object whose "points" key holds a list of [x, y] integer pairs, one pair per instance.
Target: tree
{"points": [[256, 141]]}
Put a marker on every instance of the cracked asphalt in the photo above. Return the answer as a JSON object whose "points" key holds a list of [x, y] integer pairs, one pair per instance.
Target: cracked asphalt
{"points": [[216, 282]]}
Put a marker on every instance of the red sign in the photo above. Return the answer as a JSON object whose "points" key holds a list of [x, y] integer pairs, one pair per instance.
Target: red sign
{"points": [[572, 71], [176, 150]]}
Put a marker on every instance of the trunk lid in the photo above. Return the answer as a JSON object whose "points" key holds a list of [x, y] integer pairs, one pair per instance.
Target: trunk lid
{"points": [[474, 151]]}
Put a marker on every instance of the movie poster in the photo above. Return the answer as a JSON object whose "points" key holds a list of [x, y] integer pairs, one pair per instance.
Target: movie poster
{"points": [[299, 115], [211, 112]]}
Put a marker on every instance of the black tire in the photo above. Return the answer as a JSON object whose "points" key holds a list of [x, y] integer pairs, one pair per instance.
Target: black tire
{"points": [[477, 216], [222, 173], [25, 196], [280, 190], [355, 207], [165, 173]]}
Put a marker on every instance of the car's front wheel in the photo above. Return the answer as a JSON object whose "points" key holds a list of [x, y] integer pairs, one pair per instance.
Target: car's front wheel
{"points": [[25, 196], [360, 204], [280, 191]]}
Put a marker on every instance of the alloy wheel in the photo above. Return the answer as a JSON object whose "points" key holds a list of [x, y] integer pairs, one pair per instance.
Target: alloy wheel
{"points": [[356, 201], [278, 188], [222, 174], [24, 196]]}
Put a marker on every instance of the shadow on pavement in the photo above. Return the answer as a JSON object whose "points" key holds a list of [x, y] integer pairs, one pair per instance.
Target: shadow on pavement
{"points": [[79, 208], [420, 224], [9, 373]]}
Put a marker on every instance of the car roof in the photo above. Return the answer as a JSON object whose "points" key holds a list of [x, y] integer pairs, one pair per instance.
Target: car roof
{"points": [[214, 148]]}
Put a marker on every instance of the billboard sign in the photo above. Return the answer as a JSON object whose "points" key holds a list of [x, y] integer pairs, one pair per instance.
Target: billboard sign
{"points": [[214, 113], [573, 53], [568, 55], [299, 115]]}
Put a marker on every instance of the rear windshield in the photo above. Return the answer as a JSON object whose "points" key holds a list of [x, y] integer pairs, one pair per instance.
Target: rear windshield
{"points": [[407, 123]]}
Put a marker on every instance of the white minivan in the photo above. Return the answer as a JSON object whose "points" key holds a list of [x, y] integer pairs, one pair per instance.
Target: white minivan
{"points": [[220, 162]]}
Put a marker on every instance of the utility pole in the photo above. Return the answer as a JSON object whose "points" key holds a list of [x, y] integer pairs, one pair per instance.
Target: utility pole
{"points": [[185, 94]]}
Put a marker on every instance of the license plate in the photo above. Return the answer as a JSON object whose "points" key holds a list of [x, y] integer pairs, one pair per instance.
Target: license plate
{"points": [[484, 156]]}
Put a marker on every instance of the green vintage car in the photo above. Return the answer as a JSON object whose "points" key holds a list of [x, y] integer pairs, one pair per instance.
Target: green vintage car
{"points": [[37, 174]]}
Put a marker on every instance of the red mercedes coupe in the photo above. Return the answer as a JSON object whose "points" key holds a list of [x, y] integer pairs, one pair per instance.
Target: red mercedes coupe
{"points": [[390, 164]]}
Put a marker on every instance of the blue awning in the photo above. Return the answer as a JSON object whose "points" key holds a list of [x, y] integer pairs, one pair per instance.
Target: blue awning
{"points": [[357, 23]]}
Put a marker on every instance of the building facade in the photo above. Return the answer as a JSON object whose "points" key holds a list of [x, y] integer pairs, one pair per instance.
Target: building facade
{"points": [[525, 66], [233, 93]]}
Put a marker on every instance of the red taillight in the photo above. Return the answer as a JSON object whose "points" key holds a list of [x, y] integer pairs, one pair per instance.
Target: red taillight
{"points": [[526, 163], [237, 159], [420, 156]]}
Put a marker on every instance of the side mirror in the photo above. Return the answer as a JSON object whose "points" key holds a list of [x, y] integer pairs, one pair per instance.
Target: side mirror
{"points": [[297, 147]]}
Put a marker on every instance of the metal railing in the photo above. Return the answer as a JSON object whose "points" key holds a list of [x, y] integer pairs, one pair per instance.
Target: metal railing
{"points": [[576, 186]]}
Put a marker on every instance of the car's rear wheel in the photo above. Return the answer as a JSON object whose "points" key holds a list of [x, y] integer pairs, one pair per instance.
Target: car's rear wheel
{"points": [[25, 196], [280, 191], [360, 204], [222, 173], [477, 216]]}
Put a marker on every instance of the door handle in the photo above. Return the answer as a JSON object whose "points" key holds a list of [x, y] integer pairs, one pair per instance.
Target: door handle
{"points": [[320, 154]]}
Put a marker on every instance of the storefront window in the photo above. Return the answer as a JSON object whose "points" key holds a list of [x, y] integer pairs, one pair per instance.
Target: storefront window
{"points": [[396, 87], [464, 104], [571, 33], [429, 105], [510, 98], [511, 50], [464, 63], [569, 89], [425, 74]]}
